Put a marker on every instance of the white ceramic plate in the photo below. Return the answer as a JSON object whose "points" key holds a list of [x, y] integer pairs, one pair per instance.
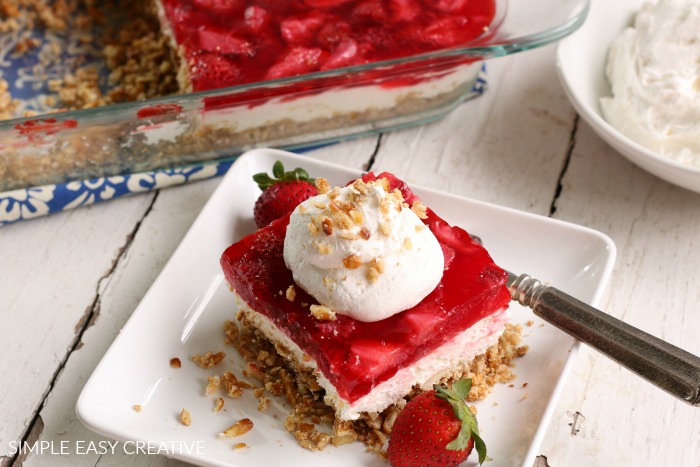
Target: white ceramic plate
{"points": [[183, 312], [581, 61]]}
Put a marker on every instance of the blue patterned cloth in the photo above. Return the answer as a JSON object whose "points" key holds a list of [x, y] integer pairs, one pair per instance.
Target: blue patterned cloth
{"points": [[39, 201], [34, 202]]}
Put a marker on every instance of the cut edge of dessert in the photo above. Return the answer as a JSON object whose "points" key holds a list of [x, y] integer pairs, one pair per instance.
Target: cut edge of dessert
{"points": [[448, 363], [281, 61], [302, 108], [296, 335]]}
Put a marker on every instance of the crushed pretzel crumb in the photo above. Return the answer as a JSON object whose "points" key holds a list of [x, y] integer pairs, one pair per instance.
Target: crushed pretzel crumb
{"points": [[322, 313], [218, 404], [233, 387], [327, 226], [209, 359], [313, 229], [175, 363], [385, 228], [322, 186], [231, 332], [310, 416], [352, 262], [343, 220], [420, 210], [263, 403], [356, 216], [334, 193], [347, 235], [185, 417], [239, 428], [323, 248], [360, 186], [213, 384], [137, 408], [376, 267], [291, 293], [372, 275]]}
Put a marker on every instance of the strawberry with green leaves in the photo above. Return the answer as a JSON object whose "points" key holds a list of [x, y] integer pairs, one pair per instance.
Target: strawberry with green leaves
{"points": [[281, 193], [436, 428]]}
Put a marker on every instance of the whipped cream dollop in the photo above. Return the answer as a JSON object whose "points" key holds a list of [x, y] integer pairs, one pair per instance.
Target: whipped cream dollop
{"points": [[362, 251], [654, 70]]}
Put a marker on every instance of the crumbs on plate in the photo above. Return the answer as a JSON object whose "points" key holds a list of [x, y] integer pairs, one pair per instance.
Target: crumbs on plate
{"points": [[311, 422]]}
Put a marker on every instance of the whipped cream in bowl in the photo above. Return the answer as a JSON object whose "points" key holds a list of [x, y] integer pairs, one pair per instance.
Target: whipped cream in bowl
{"points": [[653, 90], [654, 70], [361, 251]]}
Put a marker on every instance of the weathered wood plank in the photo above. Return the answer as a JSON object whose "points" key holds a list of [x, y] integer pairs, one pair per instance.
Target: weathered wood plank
{"points": [[159, 232], [619, 418], [51, 269], [506, 147]]}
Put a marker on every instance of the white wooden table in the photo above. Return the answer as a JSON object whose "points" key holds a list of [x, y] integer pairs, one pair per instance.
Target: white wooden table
{"points": [[70, 281]]}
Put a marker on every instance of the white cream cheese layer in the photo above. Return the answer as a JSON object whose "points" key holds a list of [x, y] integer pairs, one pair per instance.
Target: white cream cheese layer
{"points": [[453, 357]]}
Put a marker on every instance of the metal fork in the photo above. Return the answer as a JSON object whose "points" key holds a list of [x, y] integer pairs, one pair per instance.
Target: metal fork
{"points": [[662, 364]]}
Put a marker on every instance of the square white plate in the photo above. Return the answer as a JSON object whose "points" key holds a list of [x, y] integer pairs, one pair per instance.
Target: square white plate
{"points": [[183, 313]]}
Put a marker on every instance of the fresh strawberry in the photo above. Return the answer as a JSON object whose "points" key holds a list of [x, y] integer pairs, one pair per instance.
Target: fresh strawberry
{"points": [[379, 38], [333, 33], [281, 193], [448, 31], [256, 18], [211, 70], [346, 54], [303, 28], [297, 61], [375, 357], [224, 43], [436, 428]]}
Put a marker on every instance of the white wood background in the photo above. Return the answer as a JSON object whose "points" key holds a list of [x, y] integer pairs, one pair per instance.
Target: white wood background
{"points": [[69, 282]]}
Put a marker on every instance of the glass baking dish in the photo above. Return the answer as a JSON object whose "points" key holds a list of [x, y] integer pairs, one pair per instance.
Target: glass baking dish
{"points": [[290, 113]]}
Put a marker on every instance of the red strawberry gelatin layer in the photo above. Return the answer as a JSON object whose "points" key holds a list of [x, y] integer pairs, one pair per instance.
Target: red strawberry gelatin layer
{"points": [[356, 356], [232, 42]]}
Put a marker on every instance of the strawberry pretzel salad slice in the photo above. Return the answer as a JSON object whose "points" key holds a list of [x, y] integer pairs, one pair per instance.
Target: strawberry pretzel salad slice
{"points": [[370, 298]]}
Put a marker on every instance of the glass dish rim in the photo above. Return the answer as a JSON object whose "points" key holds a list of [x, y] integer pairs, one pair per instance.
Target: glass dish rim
{"points": [[493, 48]]}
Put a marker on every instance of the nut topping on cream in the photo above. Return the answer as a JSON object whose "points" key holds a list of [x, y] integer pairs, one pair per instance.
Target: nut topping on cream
{"points": [[362, 251]]}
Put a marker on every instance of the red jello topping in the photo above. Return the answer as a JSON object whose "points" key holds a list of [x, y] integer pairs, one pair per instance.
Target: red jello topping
{"points": [[357, 356], [232, 42]]}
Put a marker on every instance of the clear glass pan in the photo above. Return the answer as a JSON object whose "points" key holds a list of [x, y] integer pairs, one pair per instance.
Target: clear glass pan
{"points": [[288, 113]]}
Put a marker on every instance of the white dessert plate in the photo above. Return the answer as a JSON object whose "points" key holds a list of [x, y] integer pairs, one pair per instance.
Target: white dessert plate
{"points": [[581, 59], [183, 313]]}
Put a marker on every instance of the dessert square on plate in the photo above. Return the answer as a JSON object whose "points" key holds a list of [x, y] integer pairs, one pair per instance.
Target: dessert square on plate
{"points": [[418, 301], [183, 312]]}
